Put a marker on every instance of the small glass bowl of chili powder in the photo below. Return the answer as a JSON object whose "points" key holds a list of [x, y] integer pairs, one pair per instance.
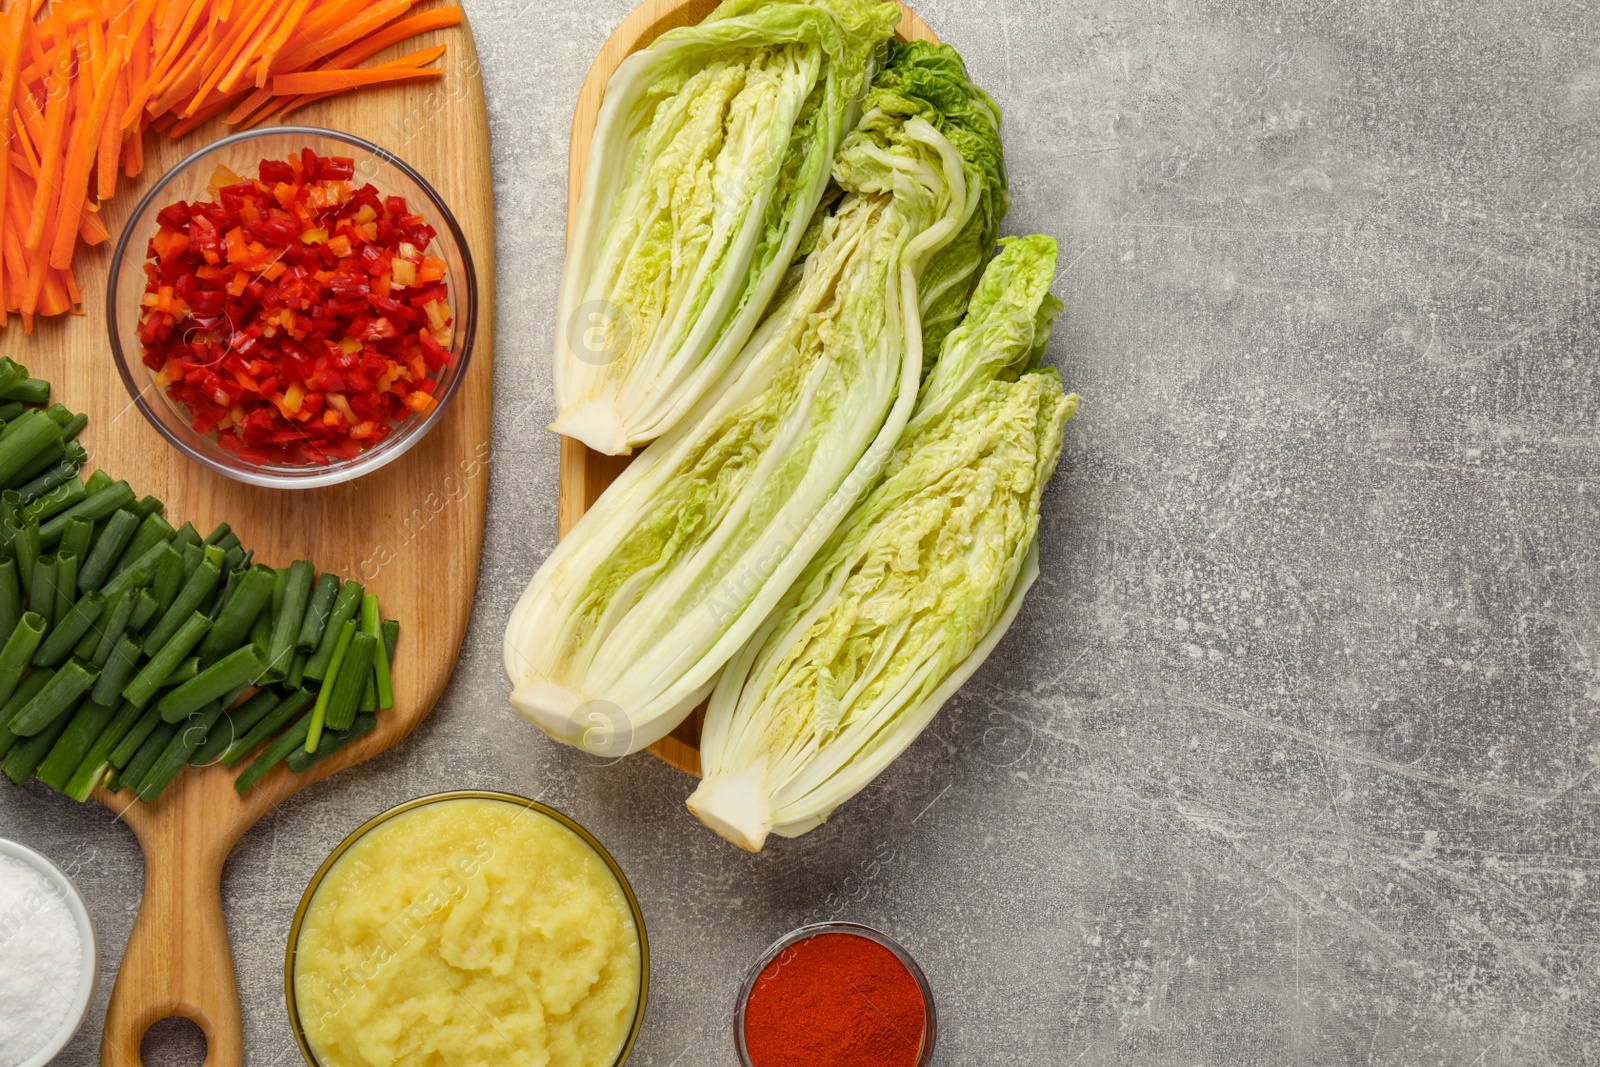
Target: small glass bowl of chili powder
{"points": [[835, 995], [292, 307]]}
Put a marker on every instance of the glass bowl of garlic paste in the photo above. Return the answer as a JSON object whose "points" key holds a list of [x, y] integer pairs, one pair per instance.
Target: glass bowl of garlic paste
{"points": [[468, 926]]}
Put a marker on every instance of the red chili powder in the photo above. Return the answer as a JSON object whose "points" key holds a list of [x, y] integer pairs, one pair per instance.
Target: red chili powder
{"points": [[835, 1000]]}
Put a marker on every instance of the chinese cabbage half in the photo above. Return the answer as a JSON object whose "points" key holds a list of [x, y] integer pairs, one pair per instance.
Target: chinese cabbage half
{"points": [[624, 628], [709, 157], [915, 588]]}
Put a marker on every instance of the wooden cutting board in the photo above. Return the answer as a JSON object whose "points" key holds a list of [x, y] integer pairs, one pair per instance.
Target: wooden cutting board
{"points": [[411, 531], [584, 472]]}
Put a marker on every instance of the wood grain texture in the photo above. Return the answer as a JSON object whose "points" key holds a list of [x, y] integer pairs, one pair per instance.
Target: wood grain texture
{"points": [[411, 531], [585, 474]]}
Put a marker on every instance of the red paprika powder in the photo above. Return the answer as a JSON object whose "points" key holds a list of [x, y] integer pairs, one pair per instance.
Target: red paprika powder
{"points": [[835, 1000]]}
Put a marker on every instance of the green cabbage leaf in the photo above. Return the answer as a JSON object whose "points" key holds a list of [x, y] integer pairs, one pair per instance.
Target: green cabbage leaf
{"points": [[913, 590], [625, 627], [710, 155]]}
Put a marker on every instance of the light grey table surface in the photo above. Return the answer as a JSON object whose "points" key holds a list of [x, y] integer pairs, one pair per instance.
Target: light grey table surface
{"points": [[1291, 757]]}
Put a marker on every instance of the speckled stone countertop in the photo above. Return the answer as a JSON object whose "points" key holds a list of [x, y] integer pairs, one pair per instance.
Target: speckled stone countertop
{"points": [[1291, 756]]}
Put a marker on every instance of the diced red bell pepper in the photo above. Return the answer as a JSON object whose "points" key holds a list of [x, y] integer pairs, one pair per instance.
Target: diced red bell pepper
{"points": [[279, 312]]}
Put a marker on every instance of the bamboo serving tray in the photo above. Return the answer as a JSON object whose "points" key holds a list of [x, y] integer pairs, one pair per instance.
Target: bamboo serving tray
{"points": [[411, 531], [585, 474]]}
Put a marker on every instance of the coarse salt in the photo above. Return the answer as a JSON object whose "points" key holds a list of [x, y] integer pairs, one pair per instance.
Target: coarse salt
{"points": [[41, 960]]}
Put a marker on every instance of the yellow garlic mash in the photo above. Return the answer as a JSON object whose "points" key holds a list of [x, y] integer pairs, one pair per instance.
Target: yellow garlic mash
{"points": [[466, 932]]}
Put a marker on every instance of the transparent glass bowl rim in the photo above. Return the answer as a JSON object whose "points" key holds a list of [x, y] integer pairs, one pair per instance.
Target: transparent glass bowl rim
{"points": [[930, 1029], [366, 462], [88, 977], [438, 798]]}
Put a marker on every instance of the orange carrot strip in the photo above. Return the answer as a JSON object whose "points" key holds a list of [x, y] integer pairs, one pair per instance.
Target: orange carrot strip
{"points": [[170, 53], [171, 18], [33, 267], [333, 81], [377, 15], [277, 105], [258, 40], [331, 14], [250, 17], [97, 54], [111, 138], [251, 102], [404, 30], [5, 171], [53, 296], [80, 162], [138, 72], [17, 25], [30, 114], [280, 36], [356, 53], [92, 228], [25, 159], [283, 105], [50, 155], [139, 22], [205, 115], [17, 268], [181, 82], [133, 155]]}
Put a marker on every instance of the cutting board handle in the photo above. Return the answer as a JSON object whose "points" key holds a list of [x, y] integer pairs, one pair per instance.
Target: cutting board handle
{"points": [[178, 961]]}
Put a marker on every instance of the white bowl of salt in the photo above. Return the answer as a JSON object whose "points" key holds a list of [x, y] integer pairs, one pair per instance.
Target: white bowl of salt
{"points": [[48, 958]]}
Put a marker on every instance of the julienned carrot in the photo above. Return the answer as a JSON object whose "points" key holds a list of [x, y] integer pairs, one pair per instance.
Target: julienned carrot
{"points": [[372, 18], [366, 48], [181, 82], [167, 55], [172, 16], [256, 41], [283, 105], [437, 19], [80, 89], [332, 81], [91, 228], [54, 297], [17, 26], [250, 16], [356, 53], [279, 38], [58, 101], [248, 106], [80, 163], [111, 139], [325, 18], [206, 115], [5, 172], [17, 258], [133, 156]]}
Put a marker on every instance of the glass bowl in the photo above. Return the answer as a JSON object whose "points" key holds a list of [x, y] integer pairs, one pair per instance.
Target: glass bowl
{"points": [[190, 181], [467, 794], [90, 959], [930, 1029]]}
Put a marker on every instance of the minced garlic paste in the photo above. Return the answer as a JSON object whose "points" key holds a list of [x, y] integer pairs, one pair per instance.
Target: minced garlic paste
{"points": [[468, 931]]}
